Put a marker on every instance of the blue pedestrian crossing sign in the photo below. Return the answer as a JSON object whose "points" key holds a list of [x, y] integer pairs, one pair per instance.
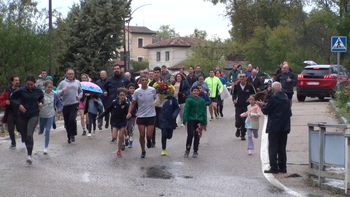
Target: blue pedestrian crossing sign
{"points": [[338, 44]]}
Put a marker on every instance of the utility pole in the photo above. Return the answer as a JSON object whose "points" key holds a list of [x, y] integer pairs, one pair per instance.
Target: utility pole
{"points": [[50, 39]]}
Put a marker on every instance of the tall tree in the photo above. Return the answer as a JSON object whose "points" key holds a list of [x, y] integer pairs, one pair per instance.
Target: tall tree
{"points": [[95, 31], [199, 33], [166, 31]]}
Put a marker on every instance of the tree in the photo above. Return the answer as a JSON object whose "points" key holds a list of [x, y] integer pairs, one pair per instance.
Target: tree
{"points": [[199, 34], [24, 44], [139, 65], [166, 31], [95, 31]]}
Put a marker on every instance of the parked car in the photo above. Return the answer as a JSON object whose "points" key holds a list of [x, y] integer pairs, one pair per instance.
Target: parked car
{"points": [[320, 81]]}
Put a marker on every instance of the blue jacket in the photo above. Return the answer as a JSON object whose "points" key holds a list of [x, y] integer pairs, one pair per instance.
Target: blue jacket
{"points": [[278, 112], [168, 113], [206, 98], [184, 91], [287, 86]]}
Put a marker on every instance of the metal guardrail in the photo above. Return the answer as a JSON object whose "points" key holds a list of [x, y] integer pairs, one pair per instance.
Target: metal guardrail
{"points": [[329, 149]]}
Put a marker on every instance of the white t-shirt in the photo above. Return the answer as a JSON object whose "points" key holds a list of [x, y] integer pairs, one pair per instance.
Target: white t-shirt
{"points": [[145, 99]]}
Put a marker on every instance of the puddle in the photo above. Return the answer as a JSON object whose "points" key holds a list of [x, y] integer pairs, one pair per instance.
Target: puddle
{"points": [[169, 171]]}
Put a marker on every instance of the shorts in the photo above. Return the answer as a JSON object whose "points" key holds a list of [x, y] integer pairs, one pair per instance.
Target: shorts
{"points": [[81, 105], [146, 121], [289, 95], [118, 127], [214, 100]]}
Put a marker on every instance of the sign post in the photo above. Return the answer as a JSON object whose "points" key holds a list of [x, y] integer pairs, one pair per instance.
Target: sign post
{"points": [[338, 45]]}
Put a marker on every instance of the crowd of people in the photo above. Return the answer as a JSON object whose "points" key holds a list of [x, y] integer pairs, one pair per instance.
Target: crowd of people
{"points": [[156, 99]]}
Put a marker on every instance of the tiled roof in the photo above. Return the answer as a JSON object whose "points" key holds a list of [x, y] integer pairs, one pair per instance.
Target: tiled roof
{"points": [[139, 30], [229, 64], [174, 42], [176, 67]]}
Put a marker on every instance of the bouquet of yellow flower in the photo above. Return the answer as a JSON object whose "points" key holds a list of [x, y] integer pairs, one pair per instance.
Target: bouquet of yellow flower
{"points": [[164, 89]]}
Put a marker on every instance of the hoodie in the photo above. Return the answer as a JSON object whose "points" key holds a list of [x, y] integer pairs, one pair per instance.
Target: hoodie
{"points": [[195, 109], [51, 102], [279, 113], [69, 97]]}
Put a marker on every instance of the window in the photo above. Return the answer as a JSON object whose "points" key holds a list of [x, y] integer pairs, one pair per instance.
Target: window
{"points": [[158, 56], [139, 58], [167, 56], [139, 42]]}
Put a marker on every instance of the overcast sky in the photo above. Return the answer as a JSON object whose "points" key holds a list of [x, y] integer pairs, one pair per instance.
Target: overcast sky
{"points": [[182, 15]]}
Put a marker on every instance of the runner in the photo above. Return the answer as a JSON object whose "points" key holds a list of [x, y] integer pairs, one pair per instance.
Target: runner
{"points": [[81, 107], [215, 89], [131, 122], [146, 113]]}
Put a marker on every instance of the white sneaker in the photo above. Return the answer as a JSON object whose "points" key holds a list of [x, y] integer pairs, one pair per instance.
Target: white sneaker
{"points": [[45, 151], [29, 160], [94, 133], [182, 125], [250, 152], [89, 134]]}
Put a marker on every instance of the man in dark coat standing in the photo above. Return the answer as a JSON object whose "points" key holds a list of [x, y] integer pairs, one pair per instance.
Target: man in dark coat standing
{"points": [[101, 82], [278, 128]]}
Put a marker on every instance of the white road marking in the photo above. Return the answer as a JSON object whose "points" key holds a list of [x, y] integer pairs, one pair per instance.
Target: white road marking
{"points": [[265, 165]]}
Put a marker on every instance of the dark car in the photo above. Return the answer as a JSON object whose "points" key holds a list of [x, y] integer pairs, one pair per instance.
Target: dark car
{"points": [[320, 81]]}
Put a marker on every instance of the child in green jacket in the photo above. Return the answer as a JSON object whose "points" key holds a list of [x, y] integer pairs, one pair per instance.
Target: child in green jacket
{"points": [[195, 119]]}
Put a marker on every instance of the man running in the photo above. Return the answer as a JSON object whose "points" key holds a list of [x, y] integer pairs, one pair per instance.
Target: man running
{"points": [[215, 89]]}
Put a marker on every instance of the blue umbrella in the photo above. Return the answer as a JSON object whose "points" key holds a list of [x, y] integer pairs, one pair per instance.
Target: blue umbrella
{"points": [[89, 86], [310, 62]]}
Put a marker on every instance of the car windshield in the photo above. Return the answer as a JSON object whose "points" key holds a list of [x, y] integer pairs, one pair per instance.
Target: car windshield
{"points": [[315, 72]]}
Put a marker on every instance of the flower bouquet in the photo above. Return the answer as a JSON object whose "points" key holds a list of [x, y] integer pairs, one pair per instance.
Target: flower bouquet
{"points": [[164, 89]]}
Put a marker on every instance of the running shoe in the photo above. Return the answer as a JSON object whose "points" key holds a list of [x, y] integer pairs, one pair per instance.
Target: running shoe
{"points": [[143, 154], [211, 119], [84, 132], [187, 153], [112, 141], [45, 151], [126, 141], [163, 153], [29, 160], [12, 146], [123, 147], [54, 125], [238, 132], [130, 144], [250, 152], [195, 154], [243, 138], [72, 139], [94, 133], [100, 126], [119, 154], [89, 134], [149, 144]]}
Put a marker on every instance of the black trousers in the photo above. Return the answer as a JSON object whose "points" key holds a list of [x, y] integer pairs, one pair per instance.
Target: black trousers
{"points": [[156, 124], [220, 106], [240, 122], [12, 122], [69, 115], [192, 133], [277, 150]]}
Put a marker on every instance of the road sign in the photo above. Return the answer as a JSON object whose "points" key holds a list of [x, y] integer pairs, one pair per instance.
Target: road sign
{"points": [[338, 44]]}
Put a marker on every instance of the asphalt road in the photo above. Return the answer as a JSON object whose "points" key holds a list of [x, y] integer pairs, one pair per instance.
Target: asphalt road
{"points": [[89, 167]]}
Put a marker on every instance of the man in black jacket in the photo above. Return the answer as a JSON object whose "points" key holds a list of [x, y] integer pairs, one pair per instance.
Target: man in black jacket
{"points": [[255, 81], [241, 93], [101, 82], [278, 127]]}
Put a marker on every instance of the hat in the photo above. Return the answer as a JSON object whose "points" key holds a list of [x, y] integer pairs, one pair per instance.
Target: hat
{"points": [[49, 77]]}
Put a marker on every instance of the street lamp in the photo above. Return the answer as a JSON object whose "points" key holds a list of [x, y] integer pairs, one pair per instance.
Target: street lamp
{"points": [[127, 65]]}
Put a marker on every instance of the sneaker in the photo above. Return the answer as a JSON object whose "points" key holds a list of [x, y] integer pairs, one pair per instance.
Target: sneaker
{"points": [[12, 146], [107, 125], [182, 125], [163, 153], [149, 144], [195, 154], [29, 160], [187, 153], [238, 132], [54, 125], [143, 154], [222, 115], [211, 119], [94, 133], [126, 141], [69, 141], [119, 154], [243, 138], [72, 139], [250, 152], [89, 134], [123, 147], [99, 126], [112, 141], [130, 144], [45, 151], [84, 132], [153, 145]]}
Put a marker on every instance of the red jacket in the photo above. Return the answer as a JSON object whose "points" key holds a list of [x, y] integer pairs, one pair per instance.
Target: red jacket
{"points": [[4, 97]]}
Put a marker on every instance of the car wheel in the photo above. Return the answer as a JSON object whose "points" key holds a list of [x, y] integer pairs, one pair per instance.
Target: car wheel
{"points": [[320, 97], [301, 98]]}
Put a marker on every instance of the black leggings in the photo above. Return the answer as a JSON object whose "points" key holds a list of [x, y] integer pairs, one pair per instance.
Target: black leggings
{"points": [[191, 132], [92, 121], [28, 127], [240, 122], [166, 134], [69, 114]]}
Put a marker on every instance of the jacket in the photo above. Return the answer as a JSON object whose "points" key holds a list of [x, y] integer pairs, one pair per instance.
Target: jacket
{"points": [[9, 109], [29, 98], [165, 76], [118, 113], [111, 86], [191, 79], [168, 113], [232, 77], [195, 109], [287, 86], [103, 98], [257, 83], [213, 84], [242, 95], [97, 108], [51, 103], [206, 98], [183, 91], [134, 110], [253, 114], [278, 112]]}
